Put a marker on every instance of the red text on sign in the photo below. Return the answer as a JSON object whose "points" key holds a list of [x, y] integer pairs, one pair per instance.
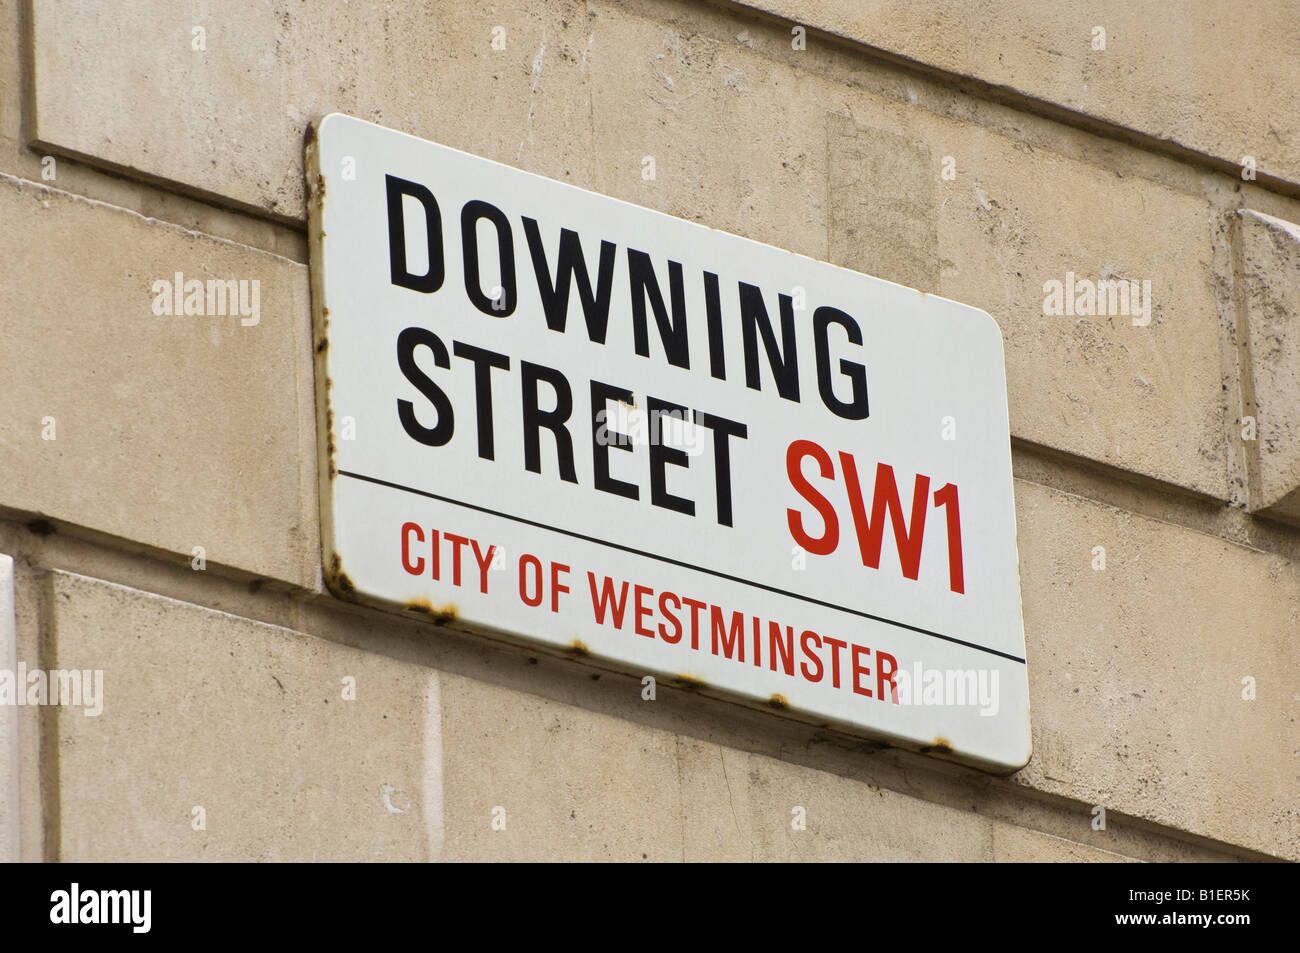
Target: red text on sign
{"points": [[885, 505], [416, 546]]}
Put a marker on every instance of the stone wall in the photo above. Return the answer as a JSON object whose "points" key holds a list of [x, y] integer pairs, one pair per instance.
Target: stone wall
{"points": [[973, 150]]}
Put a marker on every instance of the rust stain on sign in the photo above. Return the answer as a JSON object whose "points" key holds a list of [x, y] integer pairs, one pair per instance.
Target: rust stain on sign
{"points": [[441, 614], [338, 579], [330, 450]]}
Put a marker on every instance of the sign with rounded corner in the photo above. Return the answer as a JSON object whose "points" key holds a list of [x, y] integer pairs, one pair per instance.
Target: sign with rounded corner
{"points": [[552, 417]]}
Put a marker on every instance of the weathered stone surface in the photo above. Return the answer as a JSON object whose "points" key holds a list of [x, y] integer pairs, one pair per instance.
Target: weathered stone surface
{"points": [[1019, 845], [1270, 311], [743, 806], [735, 138], [1140, 391], [1165, 69], [245, 720], [9, 806], [175, 431], [883, 212], [531, 779], [1139, 698], [236, 110]]}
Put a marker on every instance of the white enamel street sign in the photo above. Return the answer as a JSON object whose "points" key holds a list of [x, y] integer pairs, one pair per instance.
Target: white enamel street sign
{"points": [[557, 418]]}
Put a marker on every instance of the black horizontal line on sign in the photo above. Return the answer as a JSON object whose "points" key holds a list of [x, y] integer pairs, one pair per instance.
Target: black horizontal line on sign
{"points": [[679, 563]]}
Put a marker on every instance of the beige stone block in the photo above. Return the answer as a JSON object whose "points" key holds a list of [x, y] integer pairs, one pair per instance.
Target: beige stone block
{"points": [[1270, 307], [736, 138], [228, 119], [39, 164], [10, 71], [9, 735], [172, 431], [532, 779], [1167, 69], [1141, 391], [247, 721], [883, 219], [739, 806], [1020, 845], [1141, 674]]}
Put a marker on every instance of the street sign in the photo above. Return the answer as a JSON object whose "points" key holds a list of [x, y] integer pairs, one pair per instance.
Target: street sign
{"points": [[557, 418]]}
